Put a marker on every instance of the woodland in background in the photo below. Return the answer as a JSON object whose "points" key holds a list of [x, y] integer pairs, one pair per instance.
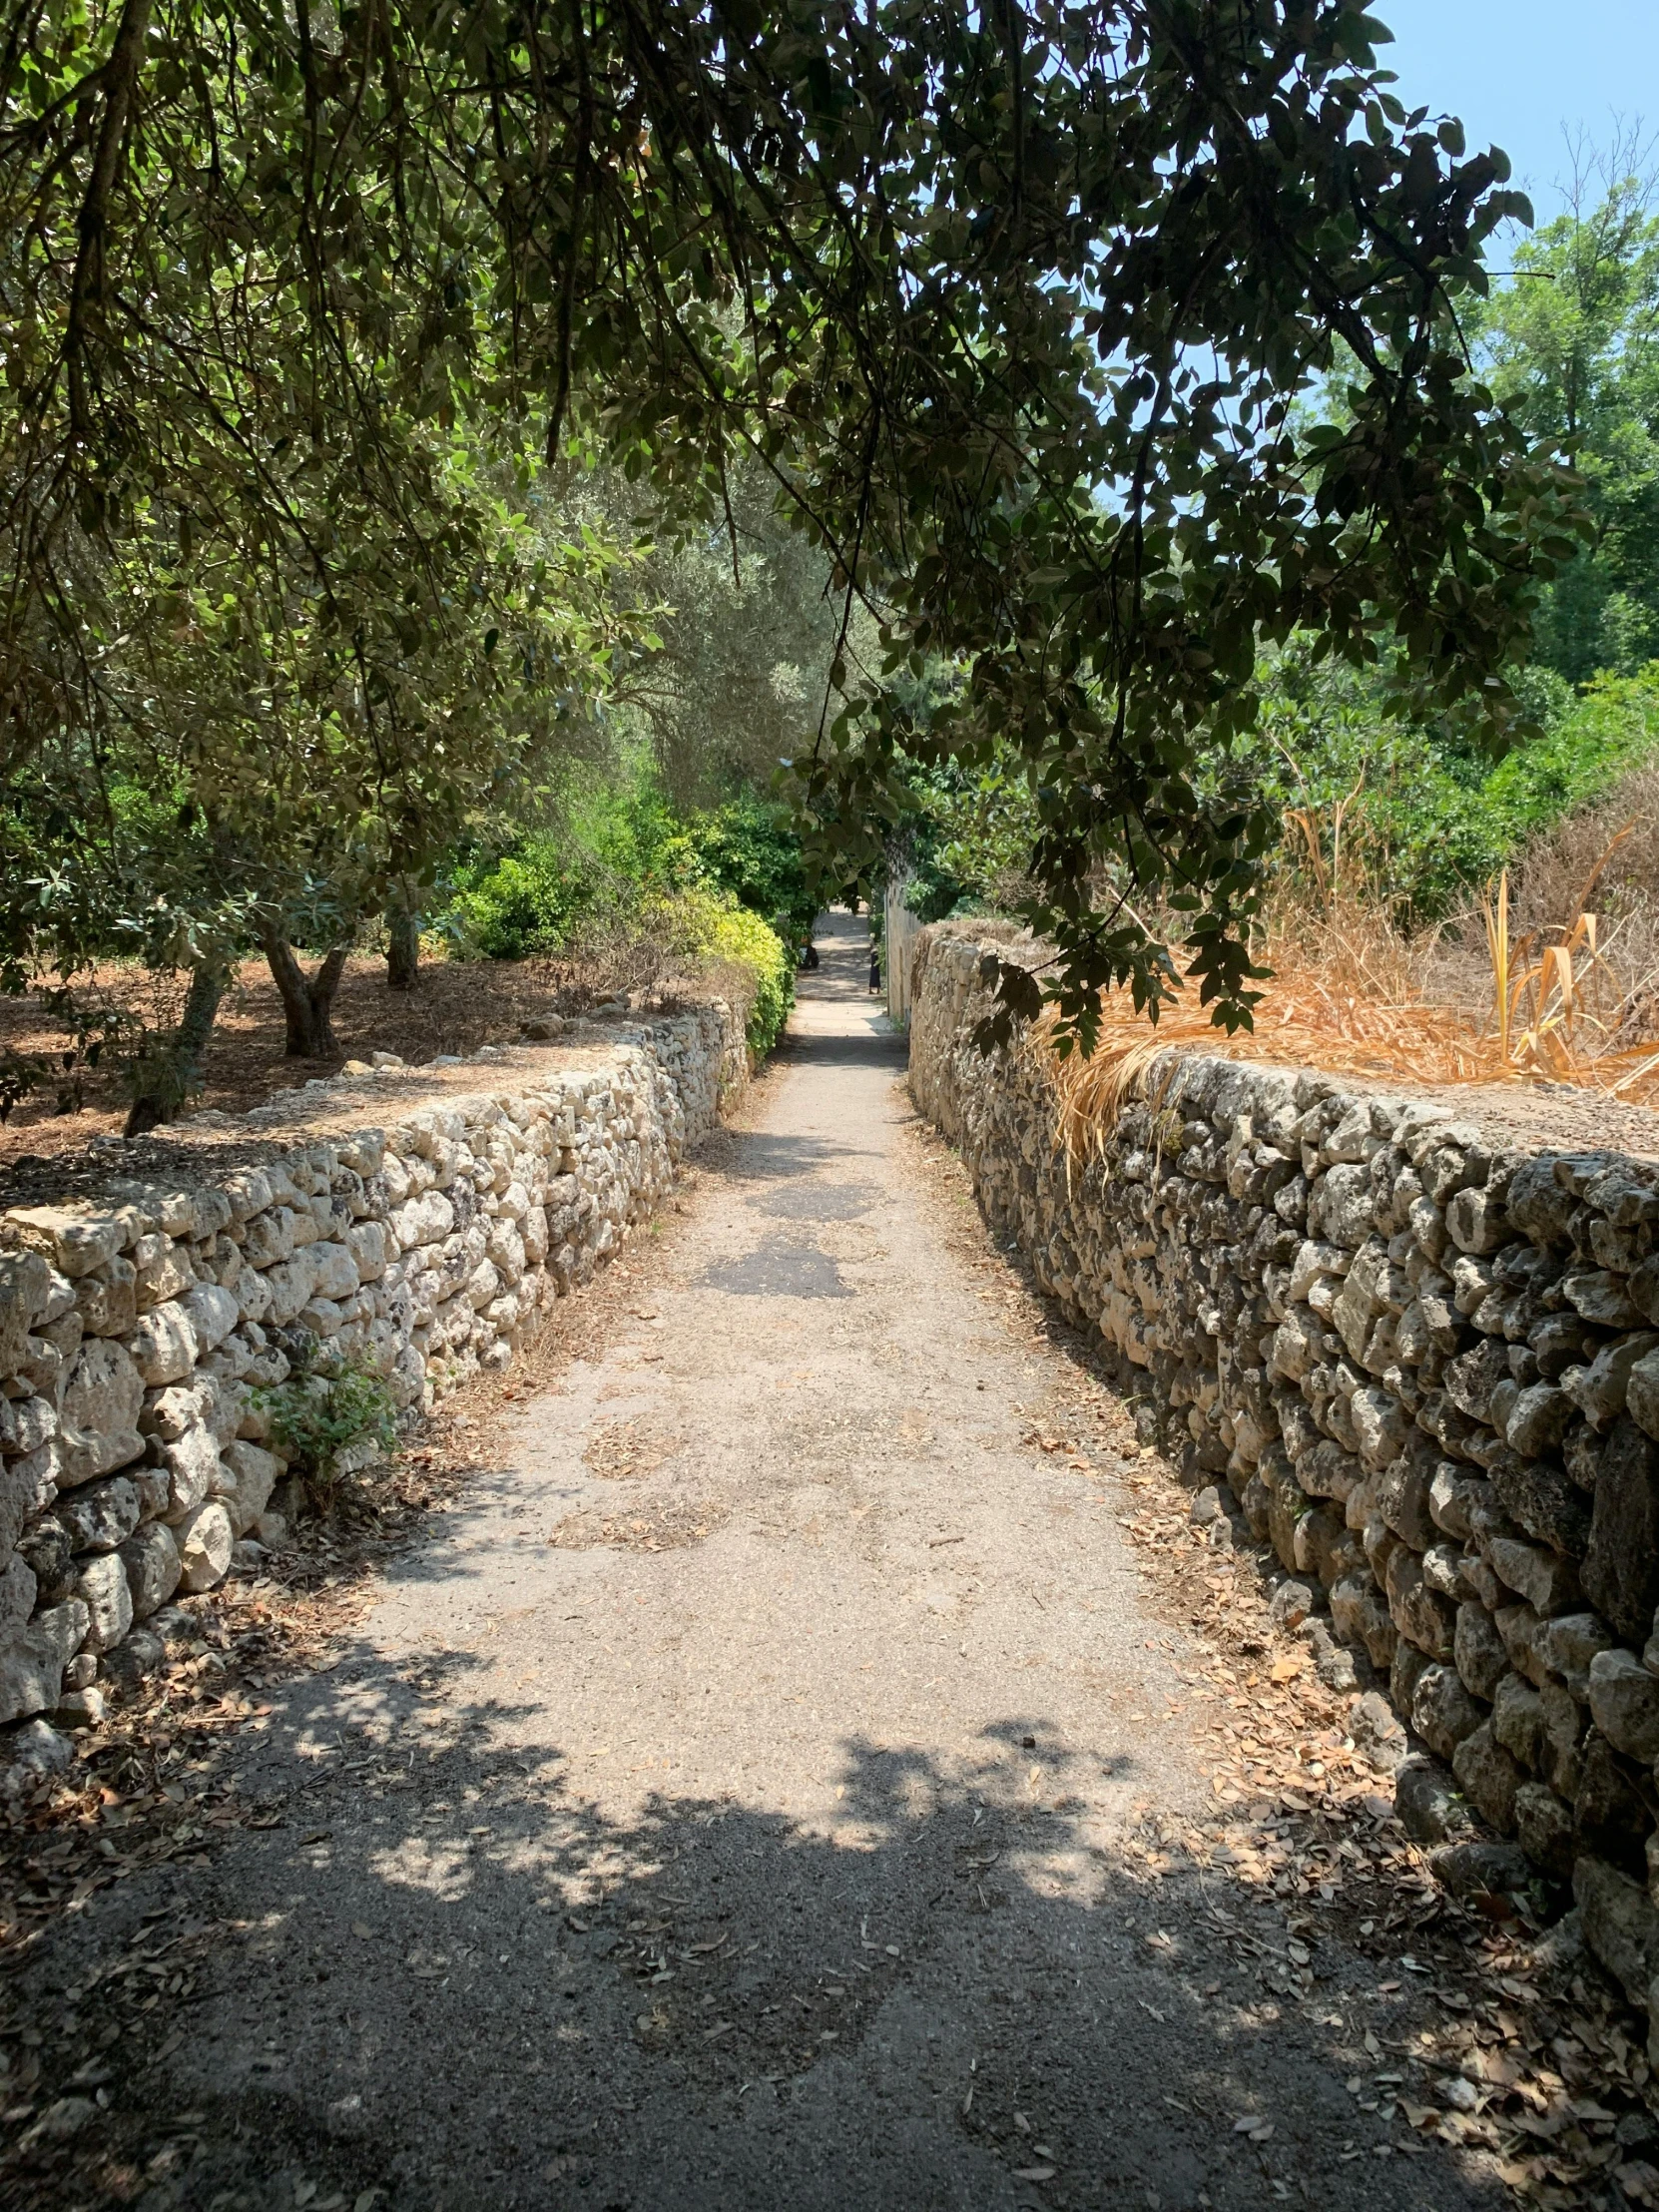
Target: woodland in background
{"points": [[387, 395]]}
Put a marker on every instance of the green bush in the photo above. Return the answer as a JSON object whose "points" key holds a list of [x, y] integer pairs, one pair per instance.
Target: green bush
{"points": [[323, 1408], [698, 923]]}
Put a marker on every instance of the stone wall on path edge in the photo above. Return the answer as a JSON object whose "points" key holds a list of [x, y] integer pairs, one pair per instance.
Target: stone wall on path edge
{"points": [[1426, 1370], [137, 1324]]}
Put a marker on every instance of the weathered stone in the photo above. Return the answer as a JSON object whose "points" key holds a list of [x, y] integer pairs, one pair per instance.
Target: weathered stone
{"points": [[1568, 1645], [1476, 1870], [1359, 1615], [1543, 1826], [1601, 1389], [205, 1545], [212, 1313], [164, 1344], [151, 1560], [102, 1588], [254, 1473], [1538, 1421], [75, 1239], [1548, 1582], [163, 1271], [1488, 1776], [106, 1302], [1622, 1924], [1610, 1816], [33, 1659], [1518, 1720], [1423, 1617], [1481, 1657], [1377, 1733], [102, 1396], [191, 1462], [1426, 1801], [1539, 1497], [289, 1284], [1621, 1567], [17, 1592], [1624, 1700], [1442, 1710], [100, 1515]]}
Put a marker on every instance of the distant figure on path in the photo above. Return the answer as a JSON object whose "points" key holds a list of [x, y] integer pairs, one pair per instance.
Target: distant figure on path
{"points": [[874, 969]]}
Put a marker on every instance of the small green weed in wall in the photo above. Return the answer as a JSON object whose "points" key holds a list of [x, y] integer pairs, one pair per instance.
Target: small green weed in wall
{"points": [[325, 1408]]}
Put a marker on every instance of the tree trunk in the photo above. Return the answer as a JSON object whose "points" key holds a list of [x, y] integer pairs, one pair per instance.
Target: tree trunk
{"points": [[307, 1000], [170, 1076], [402, 947]]}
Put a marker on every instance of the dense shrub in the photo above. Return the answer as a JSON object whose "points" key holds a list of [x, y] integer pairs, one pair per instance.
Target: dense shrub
{"points": [[706, 925]]}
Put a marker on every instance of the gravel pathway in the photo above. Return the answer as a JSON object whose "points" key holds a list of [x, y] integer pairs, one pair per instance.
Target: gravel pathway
{"points": [[729, 1804]]}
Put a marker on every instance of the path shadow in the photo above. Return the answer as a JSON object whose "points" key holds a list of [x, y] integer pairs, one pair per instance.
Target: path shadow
{"points": [[449, 1977]]}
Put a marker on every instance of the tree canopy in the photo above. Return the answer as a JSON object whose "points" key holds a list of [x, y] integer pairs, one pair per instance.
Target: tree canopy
{"points": [[1013, 304]]}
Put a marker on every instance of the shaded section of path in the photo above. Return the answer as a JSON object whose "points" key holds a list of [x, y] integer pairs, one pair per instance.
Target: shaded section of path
{"points": [[728, 1807]]}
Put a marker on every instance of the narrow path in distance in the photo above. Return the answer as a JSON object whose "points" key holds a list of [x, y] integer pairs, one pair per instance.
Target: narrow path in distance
{"points": [[728, 1805]]}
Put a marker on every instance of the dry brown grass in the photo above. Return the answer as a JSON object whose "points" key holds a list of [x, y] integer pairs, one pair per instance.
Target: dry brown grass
{"points": [[1552, 976]]}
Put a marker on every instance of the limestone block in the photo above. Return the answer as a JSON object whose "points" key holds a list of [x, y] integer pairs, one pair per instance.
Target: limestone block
{"points": [[1489, 1775], [210, 1312], [1548, 1582], [1624, 1700], [1601, 1391], [102, 1396], [18, 1590], [163, 1271], [423, 1221], [291, 1283], [334, 1272], [151, 1559], [371, 1249], [252, 1293], [1481, 1657], [1621, 1568], [164, 1344], [1568, 1646], [1543, 1826], [102, 1588], [255, 1473], [267, 1238], [100, 1515], [33, 1659], [1538, 1419], [1442, 1710], [192, 1461], [1425, 1618], [25, 1424], [76, 1239], [1518, 1721], [106, 1300], [1359, 1615], [204, 1544], [1381, 1428], [1601, 1298]]}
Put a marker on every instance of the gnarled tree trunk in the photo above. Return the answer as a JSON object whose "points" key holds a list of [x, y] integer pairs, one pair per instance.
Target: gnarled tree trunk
{"points": [[169, 1077], [402, 947], [307, 1000]]}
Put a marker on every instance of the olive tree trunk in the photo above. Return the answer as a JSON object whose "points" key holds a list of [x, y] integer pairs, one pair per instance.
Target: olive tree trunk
{"points": [[167, 1076], [402, 949], [307, 1000]]}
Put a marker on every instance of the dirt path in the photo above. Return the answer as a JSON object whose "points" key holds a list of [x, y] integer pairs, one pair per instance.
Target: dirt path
{"points": [[731, 1804]]}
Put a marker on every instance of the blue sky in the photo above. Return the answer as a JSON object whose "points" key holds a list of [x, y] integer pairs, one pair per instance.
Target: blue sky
{"points": [[1516, 70]]}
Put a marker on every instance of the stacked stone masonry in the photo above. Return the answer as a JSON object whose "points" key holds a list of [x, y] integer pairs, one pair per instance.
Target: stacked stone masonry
{"points": [[137, 1329], [1428, 1371]]}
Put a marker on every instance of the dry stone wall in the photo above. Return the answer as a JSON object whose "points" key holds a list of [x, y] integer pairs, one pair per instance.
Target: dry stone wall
{"points": [[1422, 1366], [138, 1325]]}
